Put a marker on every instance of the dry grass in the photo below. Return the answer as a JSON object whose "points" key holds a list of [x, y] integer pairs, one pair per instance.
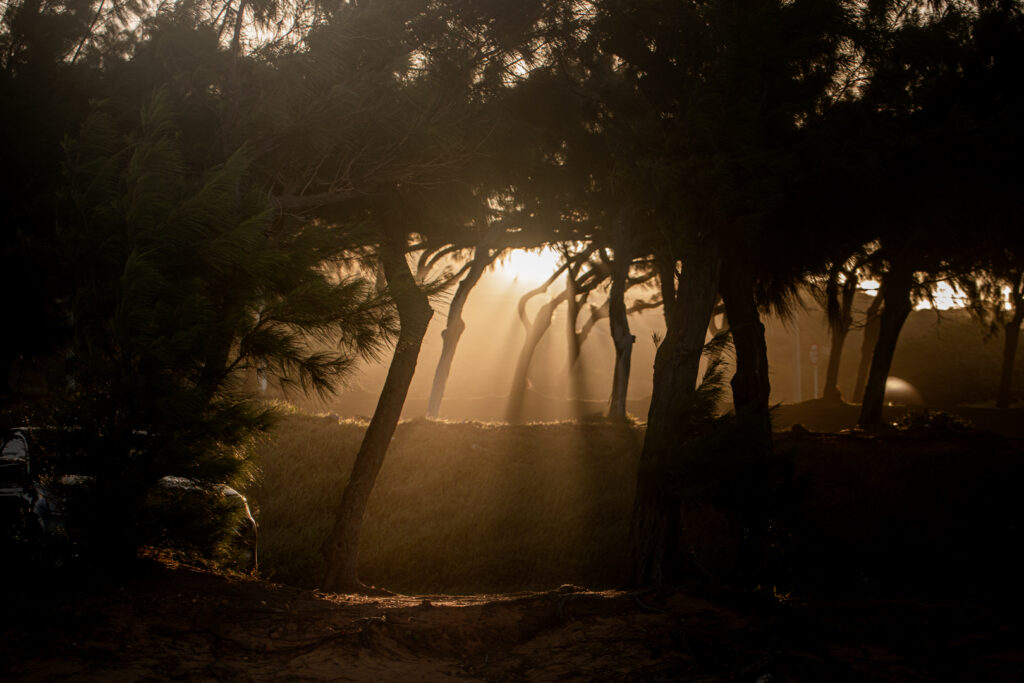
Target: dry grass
{"points": [[458, 507], [473, 507]]}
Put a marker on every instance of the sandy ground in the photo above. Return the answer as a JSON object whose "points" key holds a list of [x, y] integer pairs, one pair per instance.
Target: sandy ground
{"points": [[176, 623]]}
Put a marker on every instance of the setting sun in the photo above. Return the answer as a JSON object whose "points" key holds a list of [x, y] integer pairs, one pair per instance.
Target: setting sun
{"points": [[528, 267]]}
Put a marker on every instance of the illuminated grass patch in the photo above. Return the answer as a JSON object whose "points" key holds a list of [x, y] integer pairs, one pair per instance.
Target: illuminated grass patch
{"points": [[458, 507]]}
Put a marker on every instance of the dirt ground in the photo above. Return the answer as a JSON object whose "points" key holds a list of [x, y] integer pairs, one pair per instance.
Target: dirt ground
{"points": [[178, 623]]}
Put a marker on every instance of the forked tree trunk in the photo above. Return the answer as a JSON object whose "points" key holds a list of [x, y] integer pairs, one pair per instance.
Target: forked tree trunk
{"points": [[750, 384], [654, 527], [341, 548], [456, 326], [536, 330], [872, 326], [618, 320], [840, 329], [896, 286], [1011, 339], [534, 333]]}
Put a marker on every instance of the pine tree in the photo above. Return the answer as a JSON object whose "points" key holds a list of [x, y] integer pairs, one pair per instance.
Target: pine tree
{"points": [[183, 284]]}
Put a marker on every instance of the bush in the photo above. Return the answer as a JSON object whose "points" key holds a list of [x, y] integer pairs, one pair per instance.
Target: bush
{"points": [[934, 423]]}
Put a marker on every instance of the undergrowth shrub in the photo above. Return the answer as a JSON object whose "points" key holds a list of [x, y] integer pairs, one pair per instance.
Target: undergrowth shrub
{"points": [[934, 423]]}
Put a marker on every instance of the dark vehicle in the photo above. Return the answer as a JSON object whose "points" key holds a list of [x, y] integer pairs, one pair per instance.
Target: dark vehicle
{"points": [[30, 508], [17, 491]]}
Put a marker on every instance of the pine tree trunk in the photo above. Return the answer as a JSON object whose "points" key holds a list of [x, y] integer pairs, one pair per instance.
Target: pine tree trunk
{"points": [[831, 391], [896, 286], [839, 329], [623, 340], [654, 526], [456, 326], [537, 330], [618, 321], [450, 337], [1012, 337], [341, 548], [572, 315], [872, 326], [750, 383], [236, 36], [667, 282]]}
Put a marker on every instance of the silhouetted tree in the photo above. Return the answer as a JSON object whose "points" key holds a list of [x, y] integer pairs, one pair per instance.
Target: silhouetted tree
{"points": [[341, 547], [729, 89], [44, 98], [939, 77], [181, 287], [582, 276], [871, 326], [484, 253], [424, 73], [995, 297], [842, 283]]}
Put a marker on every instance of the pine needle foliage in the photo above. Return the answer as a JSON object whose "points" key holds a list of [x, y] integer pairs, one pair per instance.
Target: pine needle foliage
{"points": [[183, 288]]}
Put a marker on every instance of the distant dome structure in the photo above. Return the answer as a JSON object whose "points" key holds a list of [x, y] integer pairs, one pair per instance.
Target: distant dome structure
{"points": [[901, 392]]}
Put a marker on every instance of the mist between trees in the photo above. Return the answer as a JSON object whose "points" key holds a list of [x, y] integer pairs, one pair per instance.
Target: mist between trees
{"points": [[203, 198]]}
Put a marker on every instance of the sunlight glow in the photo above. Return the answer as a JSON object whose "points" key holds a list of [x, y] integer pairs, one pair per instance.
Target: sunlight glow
{"points": [[945, 296], [528, 267]]}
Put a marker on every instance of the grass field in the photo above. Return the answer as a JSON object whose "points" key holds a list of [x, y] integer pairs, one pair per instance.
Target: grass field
{"points": [[457, 507], [475, 507]]}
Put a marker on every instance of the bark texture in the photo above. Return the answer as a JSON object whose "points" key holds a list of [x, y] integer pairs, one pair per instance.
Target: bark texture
{"points": [[618, 319], [341, 548], [655, 521], [750, 383]]}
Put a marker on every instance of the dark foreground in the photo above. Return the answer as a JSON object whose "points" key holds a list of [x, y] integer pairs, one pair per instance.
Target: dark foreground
{"points": [[176, 623]]}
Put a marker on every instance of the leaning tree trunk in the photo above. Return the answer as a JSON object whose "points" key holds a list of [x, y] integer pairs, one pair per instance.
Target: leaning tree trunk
{"points": [[571, 318], [896, 286], [341, 549], [450, 337], [872, 326], [618, 320], [832, 392], [236, 35], [534, 334], [750, 383], [654, 527], [1012, 336], [839, 326], [456, 326]]}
